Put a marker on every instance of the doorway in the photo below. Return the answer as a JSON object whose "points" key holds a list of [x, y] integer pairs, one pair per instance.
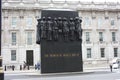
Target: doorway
{"points": [[29, 57]]}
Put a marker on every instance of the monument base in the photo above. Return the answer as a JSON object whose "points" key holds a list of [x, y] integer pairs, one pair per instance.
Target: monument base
{"points": [[61, 56]]}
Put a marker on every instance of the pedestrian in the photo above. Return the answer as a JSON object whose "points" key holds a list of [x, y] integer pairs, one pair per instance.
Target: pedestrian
{"points": [[38, 66], [111, 67], [35, 66], [24, 65], [13, 67], [20, 67]]}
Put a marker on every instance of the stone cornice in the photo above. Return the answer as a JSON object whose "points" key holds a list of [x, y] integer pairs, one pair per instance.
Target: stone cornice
{"points": [[21, 8], [82, 6]]}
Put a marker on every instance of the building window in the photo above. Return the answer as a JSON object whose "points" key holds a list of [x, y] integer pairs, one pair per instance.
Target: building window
{"points": [[87, 21], [102, 50], [87, 36], [112, 22], [29, 38], [88, 52], [13, 38], [113, 36], [100, 22], [29, 21], [115, 52], [14, 21], [100, 36], [13, 55]]}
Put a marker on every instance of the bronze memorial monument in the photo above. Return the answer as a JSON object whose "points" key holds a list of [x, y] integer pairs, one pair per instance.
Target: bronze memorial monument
{"points": [[59, 34]]}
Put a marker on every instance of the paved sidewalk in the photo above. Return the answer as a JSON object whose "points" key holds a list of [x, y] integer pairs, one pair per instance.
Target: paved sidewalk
{"points": [[22, 72], [33, 70], [37, 72]]}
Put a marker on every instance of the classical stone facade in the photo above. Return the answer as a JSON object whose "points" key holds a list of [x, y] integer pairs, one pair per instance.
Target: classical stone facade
{"points": [[100, 24]]}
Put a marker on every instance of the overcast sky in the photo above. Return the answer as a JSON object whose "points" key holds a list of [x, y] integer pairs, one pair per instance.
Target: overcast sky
{"points": [[91, 0]]}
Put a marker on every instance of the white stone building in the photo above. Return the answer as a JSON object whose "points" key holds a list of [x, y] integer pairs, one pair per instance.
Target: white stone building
{"points": [[101, 29]]}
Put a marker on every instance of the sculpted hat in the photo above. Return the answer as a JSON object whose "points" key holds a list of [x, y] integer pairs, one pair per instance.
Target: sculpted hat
{"points": [[71, 19], [64, 18], [49, 18], [43, 18], [59, 18]]}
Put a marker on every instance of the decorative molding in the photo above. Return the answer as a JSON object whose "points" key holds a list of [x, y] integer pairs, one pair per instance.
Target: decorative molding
{"points": [[87, 29], [5, 17], [106, 18], [21, 17], [102, 42], [29, 29], [113, 29], [115, 42], [88, 42], [87, 6], [14, 29], [100, 29]]}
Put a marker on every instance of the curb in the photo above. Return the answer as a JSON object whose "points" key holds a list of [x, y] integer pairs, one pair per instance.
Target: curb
{"points": [[36, 73], [65, 73]]}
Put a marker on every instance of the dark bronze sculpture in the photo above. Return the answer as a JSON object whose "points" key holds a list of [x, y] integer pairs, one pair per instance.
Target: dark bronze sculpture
{"points": [[55, 29], [72, 29], [49, 27], [38, 32], [67, 29], [78, 28], [60, 25], [43, 28]]}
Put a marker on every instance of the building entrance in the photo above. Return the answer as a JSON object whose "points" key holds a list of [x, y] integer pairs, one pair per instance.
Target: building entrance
{"points": [[29, 57]]}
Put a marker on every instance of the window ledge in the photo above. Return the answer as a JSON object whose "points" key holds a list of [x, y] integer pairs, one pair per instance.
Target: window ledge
{"points": [[102, 42], [88, 42], [14, 29], [113, 29], [115, 42], [27, 29], [87, 29], [100, 29]]}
